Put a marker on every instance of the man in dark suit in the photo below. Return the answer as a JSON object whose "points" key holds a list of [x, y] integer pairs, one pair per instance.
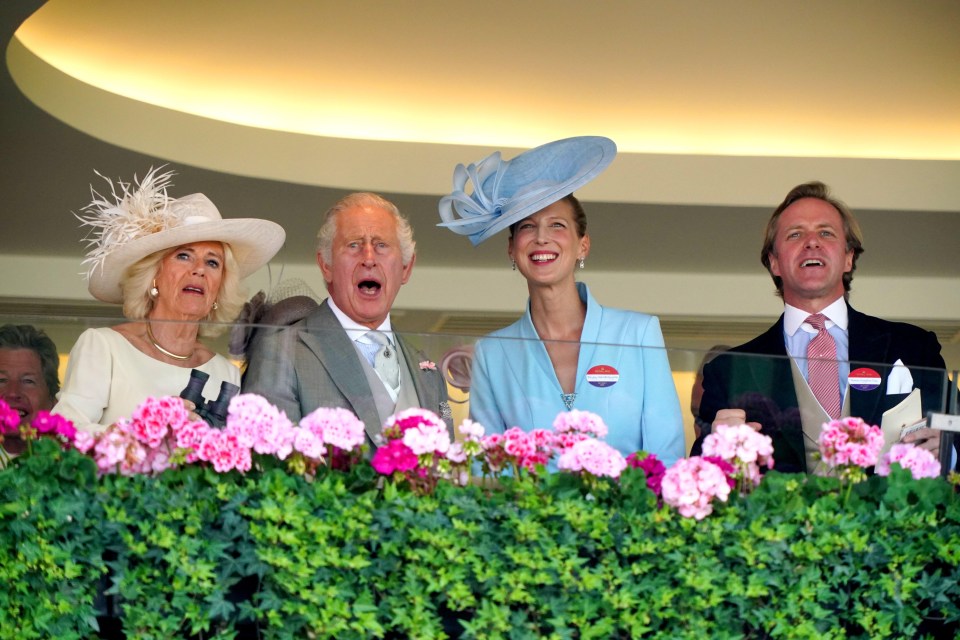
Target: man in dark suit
{"points": [[333, 357], [811, 249]]}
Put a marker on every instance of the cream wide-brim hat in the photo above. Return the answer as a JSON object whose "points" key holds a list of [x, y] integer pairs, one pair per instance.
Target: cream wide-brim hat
{"points": [[196, 219]]}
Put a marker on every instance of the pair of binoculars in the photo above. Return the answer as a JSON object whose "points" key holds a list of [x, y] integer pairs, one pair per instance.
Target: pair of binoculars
{"points": [[213, 412]]}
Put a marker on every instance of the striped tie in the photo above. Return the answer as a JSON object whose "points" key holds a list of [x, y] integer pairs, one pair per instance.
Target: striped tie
{"points": [[822, 371]]}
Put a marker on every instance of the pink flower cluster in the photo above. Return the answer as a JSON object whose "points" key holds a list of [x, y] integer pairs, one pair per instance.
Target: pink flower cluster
{"points": [[416, 441], [575, 425], [519, 449], [920, 462], [45, 424], [593, 456], [746, 449], [651, 467], [525, 450], [160, 435], [692, 484], [9, 419], [850, 442]]}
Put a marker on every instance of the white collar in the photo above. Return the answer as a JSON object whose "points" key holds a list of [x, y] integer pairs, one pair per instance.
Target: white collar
{"points": [[793, 318], [356, 331]]}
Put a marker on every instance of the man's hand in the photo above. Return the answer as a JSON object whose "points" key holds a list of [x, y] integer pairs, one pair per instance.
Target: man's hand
{"points": [[928, 439], [733, 417]]}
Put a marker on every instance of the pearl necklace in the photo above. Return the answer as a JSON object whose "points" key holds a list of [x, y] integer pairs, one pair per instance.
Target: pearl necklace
{"points": [[164, 351]]}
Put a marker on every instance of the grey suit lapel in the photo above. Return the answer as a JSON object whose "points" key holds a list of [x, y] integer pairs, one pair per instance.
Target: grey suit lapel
{"points": [[328, 341], [425, 393]]}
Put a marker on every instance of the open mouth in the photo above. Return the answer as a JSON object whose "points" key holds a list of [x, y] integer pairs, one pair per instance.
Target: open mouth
{"points": [[369, 287], [812, 263], [193, 290], [543, 257]]}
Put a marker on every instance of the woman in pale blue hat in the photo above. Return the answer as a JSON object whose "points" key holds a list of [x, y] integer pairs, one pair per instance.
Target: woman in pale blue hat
{"points": [[567, 351]]}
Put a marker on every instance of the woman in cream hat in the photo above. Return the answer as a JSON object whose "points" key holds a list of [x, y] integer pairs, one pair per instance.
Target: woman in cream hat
{"points": [[567, 351], [175, 265]]}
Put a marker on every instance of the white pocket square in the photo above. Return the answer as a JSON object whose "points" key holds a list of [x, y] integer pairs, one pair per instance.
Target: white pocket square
{"points": [[899, 381]]}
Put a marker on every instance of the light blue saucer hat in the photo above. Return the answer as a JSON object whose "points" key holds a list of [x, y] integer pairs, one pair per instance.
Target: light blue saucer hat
{"points": [[507, 191]]}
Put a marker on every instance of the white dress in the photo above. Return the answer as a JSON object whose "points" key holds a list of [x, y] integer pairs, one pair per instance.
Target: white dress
{"points": [[107, 378]]}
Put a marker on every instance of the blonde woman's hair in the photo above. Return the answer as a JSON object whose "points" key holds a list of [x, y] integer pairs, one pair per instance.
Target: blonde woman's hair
{"points": [[137, 282]]}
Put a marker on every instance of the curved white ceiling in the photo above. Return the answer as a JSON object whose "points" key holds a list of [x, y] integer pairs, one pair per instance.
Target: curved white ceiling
{"points": [[333, 93]]}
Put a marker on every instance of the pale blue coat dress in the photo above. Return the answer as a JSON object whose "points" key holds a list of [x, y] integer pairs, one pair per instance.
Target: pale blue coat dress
{"points": [[631, 388]]}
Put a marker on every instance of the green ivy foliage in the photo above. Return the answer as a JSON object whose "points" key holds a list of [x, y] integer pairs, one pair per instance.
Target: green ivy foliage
{"points": [[192, 553]]}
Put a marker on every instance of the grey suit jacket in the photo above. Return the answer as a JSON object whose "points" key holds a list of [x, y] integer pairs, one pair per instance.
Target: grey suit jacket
{"points": [[313, 363]]}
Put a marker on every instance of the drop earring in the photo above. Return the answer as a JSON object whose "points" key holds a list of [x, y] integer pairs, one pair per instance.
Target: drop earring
{"points": [[514, 265], [581, 263], [215, 305], [154, 292]]}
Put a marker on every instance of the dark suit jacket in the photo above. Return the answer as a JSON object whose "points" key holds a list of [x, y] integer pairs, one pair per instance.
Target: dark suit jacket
{"points": [[313, 363], [763, 386]]}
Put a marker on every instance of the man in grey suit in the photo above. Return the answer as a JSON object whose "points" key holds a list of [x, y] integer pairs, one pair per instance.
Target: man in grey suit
{"points": [[332, 357]]}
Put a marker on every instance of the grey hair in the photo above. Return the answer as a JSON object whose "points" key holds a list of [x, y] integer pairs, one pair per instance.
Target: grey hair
{"points": [[364, 199]]}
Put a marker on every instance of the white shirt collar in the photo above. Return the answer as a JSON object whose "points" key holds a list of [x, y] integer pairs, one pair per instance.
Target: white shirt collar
{"points": [[794, 318], [355, 330]]}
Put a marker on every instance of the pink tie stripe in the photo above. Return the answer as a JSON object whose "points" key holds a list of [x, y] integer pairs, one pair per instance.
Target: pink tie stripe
{"points": [[822, 371]]}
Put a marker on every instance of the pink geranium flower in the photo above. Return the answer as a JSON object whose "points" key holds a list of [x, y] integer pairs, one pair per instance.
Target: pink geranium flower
{"points": [[651, 466], [581, 422], [394, 457], [920, 462], [9, 419], [692, 484], [743, 447], [594, 457], [850, 442]]}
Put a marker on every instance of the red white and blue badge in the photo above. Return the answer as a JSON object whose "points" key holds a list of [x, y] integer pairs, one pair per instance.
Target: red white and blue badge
{"points": [[864, 379], [603, 375]]}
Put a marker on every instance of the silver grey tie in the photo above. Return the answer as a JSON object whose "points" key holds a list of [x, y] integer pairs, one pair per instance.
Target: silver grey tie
{"points": [[385, 361]]}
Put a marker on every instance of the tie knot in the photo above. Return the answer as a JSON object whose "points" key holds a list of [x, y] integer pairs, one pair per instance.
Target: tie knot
{"points": [[379, 338], [818, 321]]}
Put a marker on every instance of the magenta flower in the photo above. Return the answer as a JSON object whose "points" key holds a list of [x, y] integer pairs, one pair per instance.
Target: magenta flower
{"points": [[9, 419], [409, 419], [394, 456], [427, 365], [651, 466]]}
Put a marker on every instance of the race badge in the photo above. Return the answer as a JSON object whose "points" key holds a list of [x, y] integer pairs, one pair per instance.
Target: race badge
{"points": [[864, 379], [603, 375]]}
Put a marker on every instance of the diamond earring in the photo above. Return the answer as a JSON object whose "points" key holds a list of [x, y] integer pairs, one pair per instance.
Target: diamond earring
{"points": [[581, 263]]}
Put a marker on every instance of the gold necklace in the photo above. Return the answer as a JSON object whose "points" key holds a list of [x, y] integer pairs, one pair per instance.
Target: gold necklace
{"points": [[164, 351]]}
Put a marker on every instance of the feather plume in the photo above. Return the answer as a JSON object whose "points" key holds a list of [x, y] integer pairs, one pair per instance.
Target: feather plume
{"points": [[132, 210]]}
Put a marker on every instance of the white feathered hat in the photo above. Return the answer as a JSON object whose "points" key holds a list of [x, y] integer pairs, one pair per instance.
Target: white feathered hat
{"points": [[142, 219]]}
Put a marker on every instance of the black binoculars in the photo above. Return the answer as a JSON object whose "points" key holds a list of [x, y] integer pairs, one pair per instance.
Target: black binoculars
{"points": [[213, 412]]}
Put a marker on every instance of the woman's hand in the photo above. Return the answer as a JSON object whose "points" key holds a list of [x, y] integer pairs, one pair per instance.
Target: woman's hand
{"points": [[192, 410]]}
